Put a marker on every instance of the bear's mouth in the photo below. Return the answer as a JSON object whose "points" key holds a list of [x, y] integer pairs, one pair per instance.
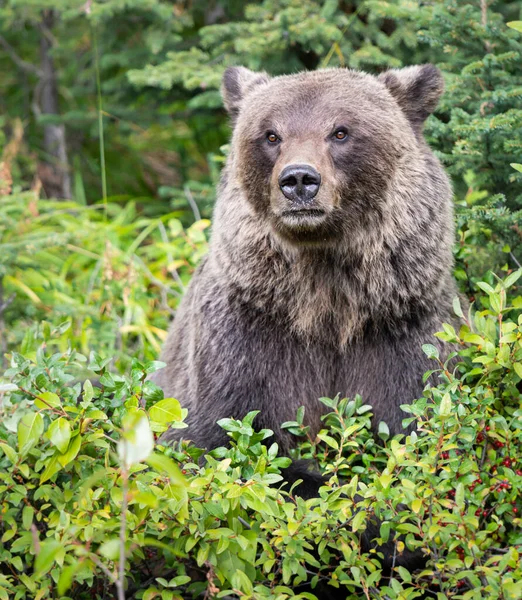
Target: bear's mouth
{"points": [[303, 215], [305, 226]]}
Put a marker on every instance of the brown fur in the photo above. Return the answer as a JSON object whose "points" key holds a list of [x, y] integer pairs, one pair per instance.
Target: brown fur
{"points": [[284, 310]]}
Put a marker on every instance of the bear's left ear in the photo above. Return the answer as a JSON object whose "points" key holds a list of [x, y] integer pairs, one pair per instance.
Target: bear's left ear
{"points": [[417, 90], [237, 83]]}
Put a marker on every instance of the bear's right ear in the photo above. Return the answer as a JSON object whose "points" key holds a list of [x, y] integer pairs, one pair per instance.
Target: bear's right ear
{"points": [[237, 83]]}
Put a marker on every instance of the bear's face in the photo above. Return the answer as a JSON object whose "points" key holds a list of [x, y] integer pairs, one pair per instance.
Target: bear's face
{"points": [[315, 152]]}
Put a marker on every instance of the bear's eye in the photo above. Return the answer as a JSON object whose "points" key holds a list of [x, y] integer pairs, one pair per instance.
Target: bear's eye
{"points": [[272, 137], [340, 134]]}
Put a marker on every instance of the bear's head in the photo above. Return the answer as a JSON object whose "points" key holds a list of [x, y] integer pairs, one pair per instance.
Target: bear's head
{"points": [[316, 153]]}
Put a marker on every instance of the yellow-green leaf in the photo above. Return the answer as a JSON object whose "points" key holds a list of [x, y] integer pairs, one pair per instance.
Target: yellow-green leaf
{"points": [[517, 26], [358, 520], [160, 462], [47, 400], [53, 466], [72, 451], [165, 411], [59, 434], [445, 406], [27, 516], [46, 556], [30, 428], [9, 452]]}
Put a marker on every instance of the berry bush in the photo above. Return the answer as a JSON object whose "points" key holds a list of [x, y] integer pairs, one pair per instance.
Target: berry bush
{"points": [[93, 505]]}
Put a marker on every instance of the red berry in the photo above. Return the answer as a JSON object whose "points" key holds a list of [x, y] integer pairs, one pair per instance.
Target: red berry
{"points": [[518, 472], [478, 512], [515, 510], [488, 428], [184, 471]]}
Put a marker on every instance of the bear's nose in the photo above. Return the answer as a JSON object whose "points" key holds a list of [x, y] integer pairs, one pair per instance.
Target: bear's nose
{"points": [[299, 183]]}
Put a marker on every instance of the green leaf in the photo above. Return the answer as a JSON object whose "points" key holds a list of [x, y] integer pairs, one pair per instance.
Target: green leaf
{"points": [[517, 26], [202, 554], [53, 466], [71, 452], [162, 463], [385, 531], [228, 562], [495, 302], [445, 406], [9, 452], [473, 338], [10, 533], [110, 549], [405, 574], [66, 578], [46, 556], [59, 434], [511, 279], [328, 440], [88, 392], [359, 520], [96, 415], [165, 411], [457, 309], [47, 400], [242, 582], [430, 351], [30, 428], [27, 516], [384, 431], [511, 589], [229, 424], [485, 287], [17, 562], [459, 496]]}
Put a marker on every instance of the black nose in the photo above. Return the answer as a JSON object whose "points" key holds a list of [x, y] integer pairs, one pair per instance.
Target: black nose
{"points": [[299, 183]]}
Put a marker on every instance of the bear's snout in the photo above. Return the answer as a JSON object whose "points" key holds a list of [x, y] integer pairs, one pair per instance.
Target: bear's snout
{"points": [[299, 183]]}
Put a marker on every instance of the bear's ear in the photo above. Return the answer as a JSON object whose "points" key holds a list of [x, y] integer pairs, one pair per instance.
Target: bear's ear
{"points": [[237, 83], [416, 89]]}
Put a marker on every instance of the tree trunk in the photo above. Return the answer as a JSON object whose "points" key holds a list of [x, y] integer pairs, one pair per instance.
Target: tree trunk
{"points": [[54, 169]]}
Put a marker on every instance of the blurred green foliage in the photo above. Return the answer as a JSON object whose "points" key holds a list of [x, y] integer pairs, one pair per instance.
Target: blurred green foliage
{"points": [[116, 275]]}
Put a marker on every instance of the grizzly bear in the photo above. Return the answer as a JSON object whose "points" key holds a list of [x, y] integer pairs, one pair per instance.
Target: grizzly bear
{"points": [[330, 257]]}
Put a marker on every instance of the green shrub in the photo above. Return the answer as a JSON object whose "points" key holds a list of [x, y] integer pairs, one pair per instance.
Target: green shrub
{"points": [[85, 482]]}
